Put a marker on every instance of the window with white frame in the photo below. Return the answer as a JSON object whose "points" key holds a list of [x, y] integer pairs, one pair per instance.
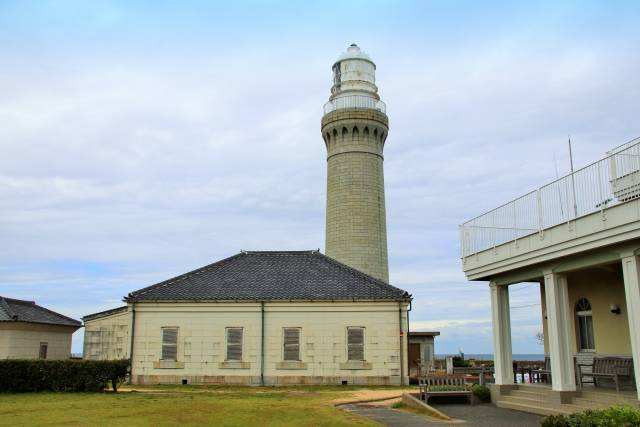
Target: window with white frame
{"points": [[234, 344], [584, 319], [170, 344], [291, 344], [355, 343]]}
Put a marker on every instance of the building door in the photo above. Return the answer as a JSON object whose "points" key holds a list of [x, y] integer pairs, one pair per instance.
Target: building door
{"points": [[43, 350], [414, 359]]}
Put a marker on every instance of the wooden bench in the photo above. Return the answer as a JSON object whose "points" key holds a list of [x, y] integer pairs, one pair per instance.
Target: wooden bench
{"points": [[542, 374], [436, 385], [617, 369], [484, 374]]}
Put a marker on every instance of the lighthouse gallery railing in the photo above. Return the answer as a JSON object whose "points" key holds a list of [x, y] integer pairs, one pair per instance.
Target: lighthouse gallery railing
{"points": [[355, 101]]}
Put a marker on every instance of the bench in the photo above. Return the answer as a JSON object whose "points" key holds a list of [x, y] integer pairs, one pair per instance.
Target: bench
{"points": [[542, 374], [616, 369], [441, 385], [484, 374]]}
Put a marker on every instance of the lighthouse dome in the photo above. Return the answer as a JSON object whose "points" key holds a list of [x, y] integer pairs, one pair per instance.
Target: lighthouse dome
{"points": [[354, 52], [354, 82]]}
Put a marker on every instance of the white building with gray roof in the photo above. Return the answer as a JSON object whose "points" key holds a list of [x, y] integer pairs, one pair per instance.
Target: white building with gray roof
{"points": [[30, 331], [284, 317]]}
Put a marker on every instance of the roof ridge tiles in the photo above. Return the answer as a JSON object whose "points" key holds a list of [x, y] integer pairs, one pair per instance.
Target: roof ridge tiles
{"points": [[180, 277], [7, 308], [373, 280], [6, 304], [271, 275]]}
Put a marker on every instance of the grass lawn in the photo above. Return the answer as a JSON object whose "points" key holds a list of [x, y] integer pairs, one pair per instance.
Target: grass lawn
{"points": [[183, 405]]}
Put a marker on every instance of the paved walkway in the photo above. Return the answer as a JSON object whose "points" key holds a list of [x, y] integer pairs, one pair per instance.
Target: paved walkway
{"points": [[391, 417], [467, 415]]}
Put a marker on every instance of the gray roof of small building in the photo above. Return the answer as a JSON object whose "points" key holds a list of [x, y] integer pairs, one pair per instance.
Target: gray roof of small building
{"points": [[16, 310], [105, 313], [272, 275]]}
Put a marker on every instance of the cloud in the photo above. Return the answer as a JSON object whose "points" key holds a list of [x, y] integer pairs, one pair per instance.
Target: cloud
{"points": [[128, 160]]}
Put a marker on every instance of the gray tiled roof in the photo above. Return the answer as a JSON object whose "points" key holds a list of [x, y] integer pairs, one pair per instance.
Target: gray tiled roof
{"points": [[16, 310], [105, 313], [287, 275]]}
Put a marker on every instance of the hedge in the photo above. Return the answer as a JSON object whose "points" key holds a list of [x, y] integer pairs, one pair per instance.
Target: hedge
{"points": [[616, 416], [482, 392], [61, 375]]}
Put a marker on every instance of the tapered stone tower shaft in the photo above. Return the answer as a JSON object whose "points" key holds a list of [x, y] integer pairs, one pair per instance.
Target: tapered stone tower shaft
{"points": [[354, 129]]}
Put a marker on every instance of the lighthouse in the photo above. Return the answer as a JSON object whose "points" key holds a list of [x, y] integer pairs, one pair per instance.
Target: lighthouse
{"points": [[354, 128]]}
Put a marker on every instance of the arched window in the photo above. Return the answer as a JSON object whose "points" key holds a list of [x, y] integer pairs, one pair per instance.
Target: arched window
{"points": [[585, 325]]}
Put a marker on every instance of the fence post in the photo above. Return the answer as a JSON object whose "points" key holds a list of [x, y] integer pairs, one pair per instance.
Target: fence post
{"points": [[515, 224], [540, 221]]}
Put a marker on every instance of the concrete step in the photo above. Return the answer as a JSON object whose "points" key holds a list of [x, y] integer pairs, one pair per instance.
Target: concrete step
{"points": [[537, 388], [608, 397], [532, 409], [522, 400], [527, 394]]}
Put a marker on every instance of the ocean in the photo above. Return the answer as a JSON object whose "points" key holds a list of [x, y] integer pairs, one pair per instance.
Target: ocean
{"points": [[488, 356]]}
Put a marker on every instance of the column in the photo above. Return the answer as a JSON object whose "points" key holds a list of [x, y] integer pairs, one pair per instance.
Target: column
{"points": [[501, 321], [559, 312], [631, 273]]}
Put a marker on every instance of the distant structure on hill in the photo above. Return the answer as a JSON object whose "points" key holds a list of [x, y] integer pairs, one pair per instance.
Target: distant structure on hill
{"points": [[30, 331], [285, 317]]}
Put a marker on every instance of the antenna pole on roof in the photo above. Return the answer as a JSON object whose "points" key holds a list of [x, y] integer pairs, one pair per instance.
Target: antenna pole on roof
{"points": [[573, 182]]}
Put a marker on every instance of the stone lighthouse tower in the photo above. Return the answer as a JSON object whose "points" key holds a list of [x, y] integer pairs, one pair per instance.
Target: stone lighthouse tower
{"points": [[354, 129]]}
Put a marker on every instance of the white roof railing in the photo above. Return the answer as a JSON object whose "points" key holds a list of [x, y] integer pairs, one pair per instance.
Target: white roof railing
{"points": [[355, 101], [610, 181]]}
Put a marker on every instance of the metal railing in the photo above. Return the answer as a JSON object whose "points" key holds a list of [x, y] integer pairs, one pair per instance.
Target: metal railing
{"points": [[610, 181], [355, 101]]}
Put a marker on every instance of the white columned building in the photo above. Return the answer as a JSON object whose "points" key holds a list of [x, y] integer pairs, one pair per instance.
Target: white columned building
{"points": [[631, 271], [558, 308], [501, 322], [579, 239]]}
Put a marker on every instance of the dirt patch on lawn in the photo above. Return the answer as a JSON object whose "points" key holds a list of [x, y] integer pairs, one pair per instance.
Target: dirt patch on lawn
{"points": [[371, 396]]}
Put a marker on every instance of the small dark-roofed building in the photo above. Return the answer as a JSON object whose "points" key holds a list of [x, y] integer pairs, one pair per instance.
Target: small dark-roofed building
{"points": [[30, 331], [421, 352], [268, 317]]}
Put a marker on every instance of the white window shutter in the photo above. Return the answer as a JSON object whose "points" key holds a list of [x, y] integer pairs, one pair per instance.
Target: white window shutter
{"points": [[234, 343], [291, 338], [169, 343], [355, 344]]}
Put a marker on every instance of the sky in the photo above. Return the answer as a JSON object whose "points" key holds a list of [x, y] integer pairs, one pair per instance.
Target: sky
{"points": [[140, 140]]}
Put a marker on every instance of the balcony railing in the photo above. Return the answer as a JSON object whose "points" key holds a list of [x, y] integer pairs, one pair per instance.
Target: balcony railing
{"points": [[610, 181], [355, 101]]}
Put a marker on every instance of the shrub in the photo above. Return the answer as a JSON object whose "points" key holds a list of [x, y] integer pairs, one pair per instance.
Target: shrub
{"points": [[61, 375], [459, 362], [615, 416], [481, 392]]}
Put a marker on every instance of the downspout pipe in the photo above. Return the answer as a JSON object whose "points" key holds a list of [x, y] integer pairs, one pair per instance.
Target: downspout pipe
{"points": [[262, 337], [133, 336], [401, 348]]}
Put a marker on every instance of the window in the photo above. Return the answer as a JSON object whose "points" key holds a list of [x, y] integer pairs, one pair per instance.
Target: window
{"points": [[291, 343], [584, 322], [355, 343], [170, 344], [234, 344], [43, 350]]}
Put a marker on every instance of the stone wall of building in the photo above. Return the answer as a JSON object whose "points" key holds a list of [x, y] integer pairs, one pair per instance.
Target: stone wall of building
{"points": [[21, 340], [356, 231], [107, 337], [323, 353]]}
